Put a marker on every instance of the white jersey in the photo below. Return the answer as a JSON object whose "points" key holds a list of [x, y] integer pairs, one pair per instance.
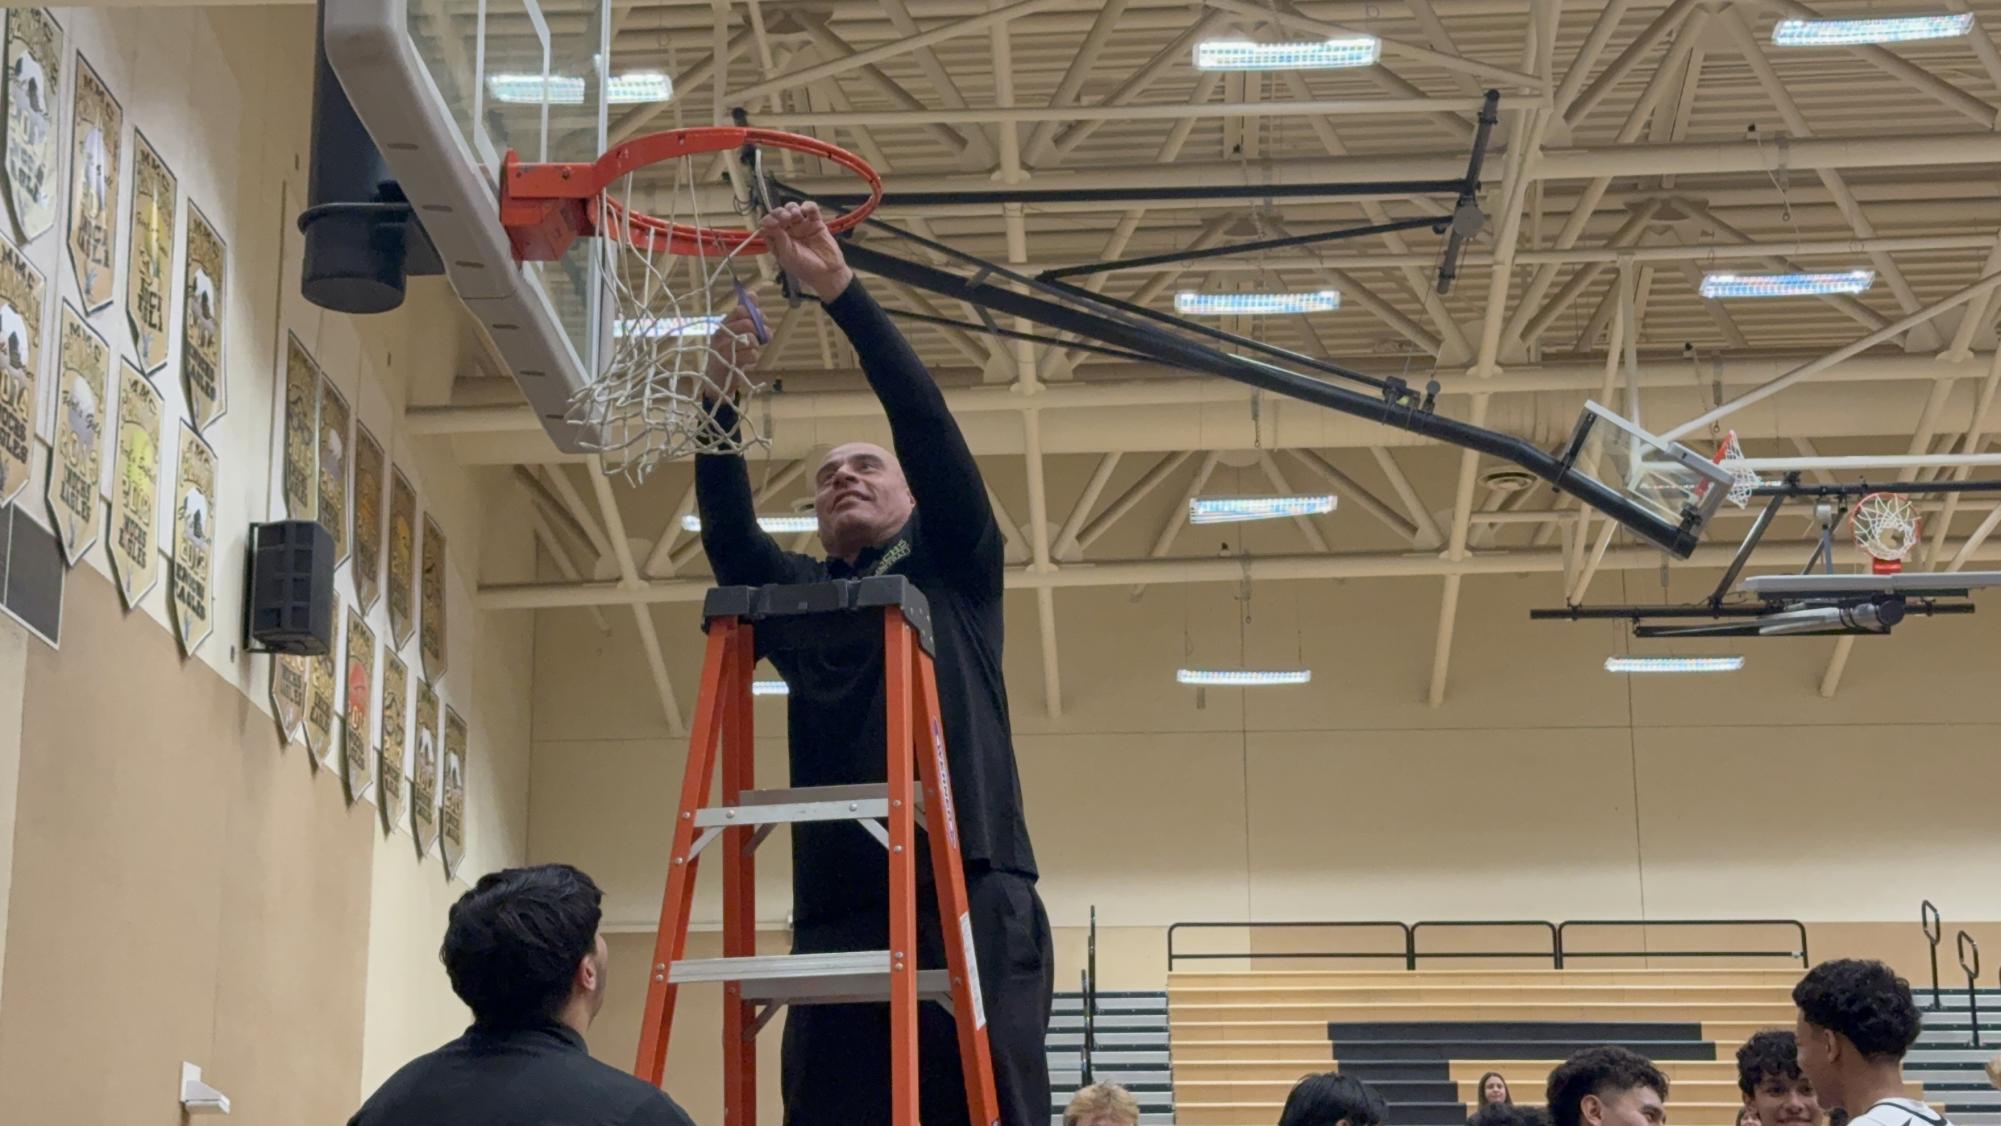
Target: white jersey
{"points": [[1899, 1112]]}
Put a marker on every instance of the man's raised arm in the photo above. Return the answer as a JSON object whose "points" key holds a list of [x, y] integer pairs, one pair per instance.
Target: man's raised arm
{"points": [[944, 479], [740, 553]]}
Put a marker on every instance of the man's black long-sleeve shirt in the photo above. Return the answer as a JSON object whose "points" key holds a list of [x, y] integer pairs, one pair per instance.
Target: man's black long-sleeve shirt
{"points": [[539, 1075], [952, 549]]}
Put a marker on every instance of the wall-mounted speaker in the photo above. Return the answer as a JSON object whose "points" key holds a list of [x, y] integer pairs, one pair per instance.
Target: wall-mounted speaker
{"points": [[290, 600]]}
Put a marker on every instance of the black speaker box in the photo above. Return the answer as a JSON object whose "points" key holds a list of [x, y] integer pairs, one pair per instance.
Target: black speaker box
{"points": [[290, 604]]}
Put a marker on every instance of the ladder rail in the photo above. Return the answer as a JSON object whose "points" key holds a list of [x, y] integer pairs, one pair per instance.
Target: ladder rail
{"points": [[897, 648], [671, 938], [740, 1018]]}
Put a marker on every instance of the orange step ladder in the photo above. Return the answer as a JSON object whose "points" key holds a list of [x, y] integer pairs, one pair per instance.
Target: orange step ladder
{"points": [[756, 987]]}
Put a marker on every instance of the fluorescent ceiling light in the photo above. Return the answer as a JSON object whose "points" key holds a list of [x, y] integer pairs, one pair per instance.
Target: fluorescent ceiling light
{"points": [[1673, 664], [657, 327], [639, 87], [1241, 54], [770, 688], [1726, 286], [1878, 29], [1190, 303], [776, 525], [1230, 510], [568, 89], [1243, 678]]}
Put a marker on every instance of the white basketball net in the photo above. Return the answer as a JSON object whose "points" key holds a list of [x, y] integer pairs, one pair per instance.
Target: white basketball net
{"points": [[1886, 527], [662, 364], [1743, 479]]}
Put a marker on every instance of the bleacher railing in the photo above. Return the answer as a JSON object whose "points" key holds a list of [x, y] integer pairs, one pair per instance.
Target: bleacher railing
{"points": [[1402, 941], [1934, 928]]}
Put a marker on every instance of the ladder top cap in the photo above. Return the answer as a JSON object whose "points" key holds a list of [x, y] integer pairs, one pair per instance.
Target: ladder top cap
{"points": [[779, 601]]}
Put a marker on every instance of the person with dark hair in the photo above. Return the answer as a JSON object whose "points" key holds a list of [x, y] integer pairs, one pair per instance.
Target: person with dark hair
{"points": [[1493, 1090], [1607, 1086], [1508, 1114], [1332, 1099], [523, 952], [1856, 1020], [1775, 1092]]}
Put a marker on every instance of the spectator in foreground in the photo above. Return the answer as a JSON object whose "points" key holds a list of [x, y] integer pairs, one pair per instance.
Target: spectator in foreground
{"points": [[1508, 1114], [1856, 1021], [1775, 1092], [1608, 1086], [1333, 1099], [1102, 1104], [523, 951]]}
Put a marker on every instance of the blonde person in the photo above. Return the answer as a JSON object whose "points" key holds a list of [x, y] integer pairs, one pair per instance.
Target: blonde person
{"points": [[1102, 1104]]}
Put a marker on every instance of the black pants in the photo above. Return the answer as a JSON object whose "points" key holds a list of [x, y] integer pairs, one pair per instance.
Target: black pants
{"points": [[836, 1057]]}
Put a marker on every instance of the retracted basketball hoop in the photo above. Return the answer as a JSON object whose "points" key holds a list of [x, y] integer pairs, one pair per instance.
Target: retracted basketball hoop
{"points": [[670, 279], [1885, 526]]}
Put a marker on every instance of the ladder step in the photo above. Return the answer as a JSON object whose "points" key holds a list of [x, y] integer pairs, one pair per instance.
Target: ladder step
{"points": [[840, 978], [806, 803]]}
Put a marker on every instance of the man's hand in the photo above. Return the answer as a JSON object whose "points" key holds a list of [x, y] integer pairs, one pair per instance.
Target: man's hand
{"points": [[733, 352], [806, 249]]}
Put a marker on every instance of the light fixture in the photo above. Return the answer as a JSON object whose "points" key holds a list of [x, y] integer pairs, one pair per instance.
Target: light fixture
{"points": [[1192, 304], [638, 87], [568, 89], [770, 688], [1673, 664], [654, 328], [1231, 510], [1717, 287], [776, 525], [1877, 29], [1327, 54], [1242, 678]]}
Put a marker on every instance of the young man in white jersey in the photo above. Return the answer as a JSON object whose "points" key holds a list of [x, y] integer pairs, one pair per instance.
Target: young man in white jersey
{"points": [[1856, 1021]]}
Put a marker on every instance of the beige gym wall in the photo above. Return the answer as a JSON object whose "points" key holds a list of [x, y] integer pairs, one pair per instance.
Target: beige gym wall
{"points": [[182, 886]]}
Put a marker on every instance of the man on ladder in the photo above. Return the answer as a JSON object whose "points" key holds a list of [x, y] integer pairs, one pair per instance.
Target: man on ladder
{"points": [[937, 529]]}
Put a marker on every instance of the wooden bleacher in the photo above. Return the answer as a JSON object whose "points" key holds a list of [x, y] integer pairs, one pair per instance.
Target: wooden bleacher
{"points": [[1240, 1040]]}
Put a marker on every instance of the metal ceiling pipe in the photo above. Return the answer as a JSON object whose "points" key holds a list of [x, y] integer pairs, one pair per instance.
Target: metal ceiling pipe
{"points": [[1706, 158], [1157, 385], [1222, 569], [1544, 419]]}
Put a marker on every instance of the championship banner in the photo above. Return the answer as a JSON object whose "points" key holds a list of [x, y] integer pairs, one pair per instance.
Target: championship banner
{"points": [[320, 706], [289, 676], [402, 558], [201, 321], [334, 438], [34, 90], [369, 467], [395, 741], [356, 720], [74, 463], [424, 771], [148, 276], [135, 487], [21, 290], [452, 817], [431, 624], [302, 431], [194, 542], [96, 124]]}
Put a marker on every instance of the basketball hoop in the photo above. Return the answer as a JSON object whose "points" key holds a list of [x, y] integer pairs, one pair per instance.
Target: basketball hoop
{"points": [[1886, 528], [669, 278], [1743, 479]]}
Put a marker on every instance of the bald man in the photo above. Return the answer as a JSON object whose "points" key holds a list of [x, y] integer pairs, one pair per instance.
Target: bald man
{"points": [[922, 512]]}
